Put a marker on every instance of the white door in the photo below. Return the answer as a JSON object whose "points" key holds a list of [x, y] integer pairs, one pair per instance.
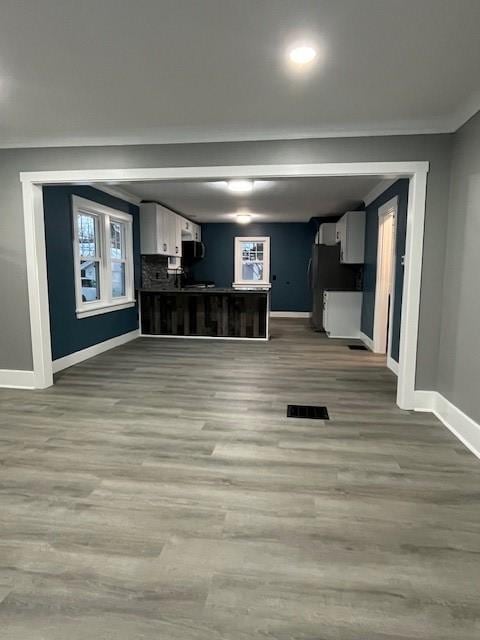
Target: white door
{"points": [[385, 284]]}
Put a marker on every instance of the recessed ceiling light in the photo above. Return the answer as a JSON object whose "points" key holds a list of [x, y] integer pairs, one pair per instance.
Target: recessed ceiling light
{"points": [[302, 54], [244, 218], [240, 186]]}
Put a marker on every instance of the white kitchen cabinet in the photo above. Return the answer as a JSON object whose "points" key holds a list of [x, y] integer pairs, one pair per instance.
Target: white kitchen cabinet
{"points": [[350, 233], [191, 230], [186, 226], [196, 232], [177, 240], [327, 234], [342, 311], [160, 230]]}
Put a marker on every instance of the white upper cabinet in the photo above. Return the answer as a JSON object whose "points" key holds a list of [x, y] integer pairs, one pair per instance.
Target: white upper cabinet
{"points": [[154, 229], [161, 230], [196, 232], [186, 226], [327, 233], [350, 233], [177, 245]]}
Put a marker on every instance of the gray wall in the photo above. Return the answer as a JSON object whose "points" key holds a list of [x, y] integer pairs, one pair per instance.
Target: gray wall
{"points": [[15, 348], [459, 358]]}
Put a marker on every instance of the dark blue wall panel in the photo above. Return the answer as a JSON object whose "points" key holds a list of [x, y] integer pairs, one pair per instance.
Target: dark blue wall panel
{"points": [[68, 333], [400, 189], [290, 250]]}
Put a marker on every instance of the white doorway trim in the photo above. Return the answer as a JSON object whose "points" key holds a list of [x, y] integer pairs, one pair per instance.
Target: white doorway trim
{"points": [[32, 182], [385, 281]]}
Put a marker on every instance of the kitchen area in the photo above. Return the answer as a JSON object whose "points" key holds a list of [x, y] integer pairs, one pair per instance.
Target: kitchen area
{"points": [[173, 303]]}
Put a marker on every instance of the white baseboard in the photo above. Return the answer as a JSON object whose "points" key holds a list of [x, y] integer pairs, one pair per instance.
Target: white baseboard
{"points": [[16, 379], [392, 365], [461, 425], [170, 337], [368, 342], [94, 350], [290, 314]]}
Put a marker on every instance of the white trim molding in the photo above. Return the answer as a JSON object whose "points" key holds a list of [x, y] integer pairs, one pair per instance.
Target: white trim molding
{"points": [[117, 192], [392, 365], [290, 314], [36, 259], [94, 350], [17, 379], [368, 342], [462, 426]]}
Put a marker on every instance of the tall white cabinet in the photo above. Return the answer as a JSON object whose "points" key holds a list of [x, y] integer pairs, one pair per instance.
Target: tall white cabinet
{"points": [[350, 233]]}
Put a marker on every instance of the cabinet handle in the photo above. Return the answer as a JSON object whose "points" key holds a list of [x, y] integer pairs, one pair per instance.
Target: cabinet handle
{"points": [[176, 249], [164, 246]]}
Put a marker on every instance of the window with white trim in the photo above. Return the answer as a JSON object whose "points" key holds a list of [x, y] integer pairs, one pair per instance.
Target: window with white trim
{"points": [[252, 262], [103, 254]]}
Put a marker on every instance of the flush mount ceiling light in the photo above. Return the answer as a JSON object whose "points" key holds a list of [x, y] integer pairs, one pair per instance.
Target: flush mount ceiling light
{"points": [[243, 218], [302, 54], [240, 186]]}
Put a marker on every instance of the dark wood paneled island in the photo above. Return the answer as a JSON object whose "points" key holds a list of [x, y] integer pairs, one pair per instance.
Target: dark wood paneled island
{"points": [[207, 313]]}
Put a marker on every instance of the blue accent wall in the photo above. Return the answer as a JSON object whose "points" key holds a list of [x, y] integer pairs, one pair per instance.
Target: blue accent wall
{"points": [[400, 189], [68, 333], [290, 251]]}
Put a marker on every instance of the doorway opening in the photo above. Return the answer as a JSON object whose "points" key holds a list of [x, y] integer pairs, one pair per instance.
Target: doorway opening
{"points": [[385, 281], [33, 211]]}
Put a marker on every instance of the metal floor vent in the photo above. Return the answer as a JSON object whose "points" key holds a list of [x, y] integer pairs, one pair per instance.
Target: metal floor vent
{"points": [[306, 411], [357, 347]]}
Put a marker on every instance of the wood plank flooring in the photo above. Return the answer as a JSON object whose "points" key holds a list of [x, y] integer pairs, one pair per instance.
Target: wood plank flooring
{"points": [[158, 491]]}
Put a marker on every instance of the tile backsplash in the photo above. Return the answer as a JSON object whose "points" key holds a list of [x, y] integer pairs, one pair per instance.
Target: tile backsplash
{"points": [[155, 272]]}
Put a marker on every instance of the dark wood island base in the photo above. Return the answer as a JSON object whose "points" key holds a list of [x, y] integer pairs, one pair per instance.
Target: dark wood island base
{"points": [[205, 313]]}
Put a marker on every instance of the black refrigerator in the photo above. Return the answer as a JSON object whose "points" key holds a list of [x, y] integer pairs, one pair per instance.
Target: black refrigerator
{"points": [[325, 271]]}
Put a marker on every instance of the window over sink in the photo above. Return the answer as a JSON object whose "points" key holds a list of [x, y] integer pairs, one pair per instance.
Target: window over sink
{"points": [[252, 262]]}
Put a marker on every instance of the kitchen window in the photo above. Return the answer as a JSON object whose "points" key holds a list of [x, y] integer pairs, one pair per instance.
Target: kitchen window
{"points": [[252, 262], [103, 253]]}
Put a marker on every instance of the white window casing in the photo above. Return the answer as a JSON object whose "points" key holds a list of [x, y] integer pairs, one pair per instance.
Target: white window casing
{"points": [[252, 258], [99, 253]]}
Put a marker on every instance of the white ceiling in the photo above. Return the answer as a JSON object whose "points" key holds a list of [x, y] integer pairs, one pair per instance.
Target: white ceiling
{"points": [[118, 71], [279, 200]]}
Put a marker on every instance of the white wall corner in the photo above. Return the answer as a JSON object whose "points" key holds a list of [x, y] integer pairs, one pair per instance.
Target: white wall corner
{"points": [[368, 342], [94, 350], [17, 379], [462, 426]]}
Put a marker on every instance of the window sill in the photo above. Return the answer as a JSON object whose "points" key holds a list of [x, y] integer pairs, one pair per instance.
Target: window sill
{"points": [[104, 308], [244, 285]]}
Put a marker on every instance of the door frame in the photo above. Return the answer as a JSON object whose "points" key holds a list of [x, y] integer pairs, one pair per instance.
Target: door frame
{"points": [[32, 182], [387, 209]]}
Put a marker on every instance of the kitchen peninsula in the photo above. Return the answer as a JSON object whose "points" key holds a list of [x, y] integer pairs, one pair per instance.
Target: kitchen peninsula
{"points": [[205, 313]]}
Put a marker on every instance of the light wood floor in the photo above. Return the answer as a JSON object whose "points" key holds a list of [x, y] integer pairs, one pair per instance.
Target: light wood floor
{"points": [[159, 492]]}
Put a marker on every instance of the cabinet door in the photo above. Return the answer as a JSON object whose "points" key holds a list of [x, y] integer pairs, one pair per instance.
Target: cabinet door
{"points": [[354, 246], [341, 236], [186, 225], [149, 238], [178, 236], [326, 324], [162, 230]]}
